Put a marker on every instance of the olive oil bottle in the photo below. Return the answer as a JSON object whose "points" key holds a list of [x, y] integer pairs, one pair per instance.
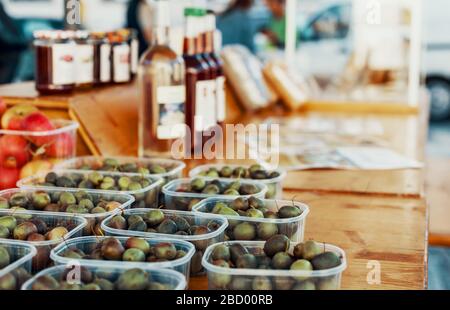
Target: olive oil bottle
{"points": [[162, 91]]}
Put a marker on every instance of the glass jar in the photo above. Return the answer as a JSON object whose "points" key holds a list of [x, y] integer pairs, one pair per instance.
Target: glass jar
{"points": [[55, 61], [102, 58], [120, 58], [84, 60]]}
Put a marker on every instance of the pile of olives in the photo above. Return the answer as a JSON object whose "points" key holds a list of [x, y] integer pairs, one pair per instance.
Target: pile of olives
{"points": [[113, 165], [80, 202], [14, 279], [255, 208], [131, 279], [97, 180], [212, 188], [307, 256], [132, 250], [156, 221], [255, 172], [28, 228]]}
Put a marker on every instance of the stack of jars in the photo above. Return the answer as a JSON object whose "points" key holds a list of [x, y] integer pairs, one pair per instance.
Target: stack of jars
{"points": [[68, 60]]}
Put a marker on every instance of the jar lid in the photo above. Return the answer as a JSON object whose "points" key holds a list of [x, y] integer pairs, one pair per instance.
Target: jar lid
{"points": [[81, 34]]}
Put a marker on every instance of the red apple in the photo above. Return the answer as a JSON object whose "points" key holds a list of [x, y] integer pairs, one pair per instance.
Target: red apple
{"points": [[8, 177], [16, 112], [14, 152], [63, 146], [35, 122], [2, 107]]}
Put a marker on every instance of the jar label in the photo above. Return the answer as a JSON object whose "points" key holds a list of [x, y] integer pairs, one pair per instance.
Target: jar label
{"points": [[105, 63], [171, 103], [205, 105], [121, 63], [84, 62], [134, 55], [220, 97], [63, 64]]}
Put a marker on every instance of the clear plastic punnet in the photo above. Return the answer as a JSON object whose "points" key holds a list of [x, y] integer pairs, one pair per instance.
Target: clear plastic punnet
{"points": [[40, 149], [145, 197], [222, 278], [293, 227], [120, 201], [177, 198], [173, 168], [89, 244], [18, 270], [72, 223], [274, 185], [200, 241], [157, 278]]}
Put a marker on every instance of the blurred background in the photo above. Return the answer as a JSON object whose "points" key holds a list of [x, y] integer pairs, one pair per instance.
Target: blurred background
{"points": [[337, 51]]}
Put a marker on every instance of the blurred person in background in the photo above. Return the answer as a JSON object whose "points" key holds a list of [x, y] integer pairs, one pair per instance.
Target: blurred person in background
{"points": [[275, 30], [139, 17], [12, 42], [235, 25]]}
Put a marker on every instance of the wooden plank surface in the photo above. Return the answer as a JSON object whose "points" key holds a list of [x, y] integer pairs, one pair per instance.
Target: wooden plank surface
{"points": [[388, 230]]}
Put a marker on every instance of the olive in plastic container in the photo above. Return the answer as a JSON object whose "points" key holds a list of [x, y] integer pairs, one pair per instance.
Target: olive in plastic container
{"points": [[74, 277], [144, 188], [94, 206], [43, 230], [178, 194], [243, 227], [222, 277], [15, 263], [90, 246], [200, 229], [272, 178]]}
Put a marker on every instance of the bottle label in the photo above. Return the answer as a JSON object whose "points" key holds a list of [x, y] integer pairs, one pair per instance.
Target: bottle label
{"points": [[105, 63], [171, 120], [84, 63], [134, 55], [63, 64], [121, 63], [220, 98], [205, 105]]}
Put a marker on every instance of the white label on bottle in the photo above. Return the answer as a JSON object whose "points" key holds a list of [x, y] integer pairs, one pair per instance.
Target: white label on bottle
{"points": [[220, 98], [121, 63], [171, 120], [134, 55], [63, 64], [205, 105], [84, 62], [105, 63]]}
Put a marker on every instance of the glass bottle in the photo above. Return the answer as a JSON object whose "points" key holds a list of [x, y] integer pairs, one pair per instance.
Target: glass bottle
{"points": [[198, 109], [161, 80]]}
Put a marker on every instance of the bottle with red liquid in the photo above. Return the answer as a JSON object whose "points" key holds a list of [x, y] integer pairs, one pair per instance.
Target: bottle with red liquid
{"points": [[210, 21], [200, 113]]}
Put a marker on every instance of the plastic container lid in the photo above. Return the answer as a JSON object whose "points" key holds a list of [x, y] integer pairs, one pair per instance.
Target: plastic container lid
{"points": [[62, 127]]}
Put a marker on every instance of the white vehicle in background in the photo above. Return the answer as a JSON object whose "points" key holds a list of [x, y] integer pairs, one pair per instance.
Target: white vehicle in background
{"points": [[326, 42]]}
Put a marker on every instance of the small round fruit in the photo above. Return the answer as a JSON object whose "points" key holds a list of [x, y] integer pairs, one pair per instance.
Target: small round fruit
{"points": [[22, 231], [247, 261], [40, 200], [36, 237], [167, 227], [138, 243], [133, 255], [57, 233], [255, 213], [310, 249], [182, 223], [211, 189], [138, 226], [221, 251], [45, 283], [133, 279], [165, 250], [4, 232], [266, 230], [4, 203], [67, 198], [9, 222], [275, 244], [231, 192], [5, 258], [325, 260], [112, 249], [304, 265], [154, 217], [220, 280], [244, 231], [118, 222], [261, 284], [289, 212], [281, 260], [198, 184]]}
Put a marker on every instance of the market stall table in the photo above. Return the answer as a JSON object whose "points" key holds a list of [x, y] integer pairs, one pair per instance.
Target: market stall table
{"points": [[375, 216]]}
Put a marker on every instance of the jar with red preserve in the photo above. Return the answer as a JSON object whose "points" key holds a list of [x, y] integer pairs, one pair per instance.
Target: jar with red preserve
{"points": [[55, 61], [120, 57], [102, 55]]}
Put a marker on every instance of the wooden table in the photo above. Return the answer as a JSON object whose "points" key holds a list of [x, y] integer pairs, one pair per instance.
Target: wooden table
{"points": [[372, 215]]}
